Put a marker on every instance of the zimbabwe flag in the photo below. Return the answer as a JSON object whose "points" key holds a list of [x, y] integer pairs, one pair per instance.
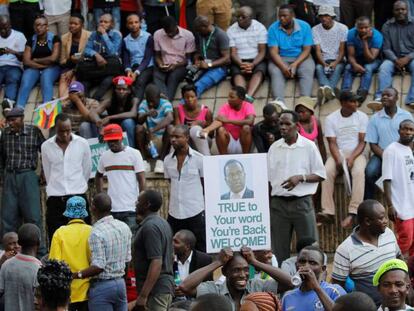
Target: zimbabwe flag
{"points": [[46, 113]]}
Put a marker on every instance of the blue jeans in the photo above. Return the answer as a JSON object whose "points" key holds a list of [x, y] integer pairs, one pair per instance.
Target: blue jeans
{"points": [[386, 71], [372, 173], [10, 76], [114, 11], [366, 78], [332, 79], [209, 79], [30, 77], [108, 295]]}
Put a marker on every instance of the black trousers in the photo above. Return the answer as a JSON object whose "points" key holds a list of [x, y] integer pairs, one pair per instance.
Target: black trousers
{"points": [[79, 306], [196, 224], [154, 14], [55, 207], [383, 12], [141, 83], [352, 9], [22, 16]]}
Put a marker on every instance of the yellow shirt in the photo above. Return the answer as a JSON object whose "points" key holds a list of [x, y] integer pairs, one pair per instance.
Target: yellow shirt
{"points": [[70, 244]]}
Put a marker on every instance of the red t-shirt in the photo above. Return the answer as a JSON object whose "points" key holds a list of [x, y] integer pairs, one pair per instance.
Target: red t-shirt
{"points": [[129, 5]]}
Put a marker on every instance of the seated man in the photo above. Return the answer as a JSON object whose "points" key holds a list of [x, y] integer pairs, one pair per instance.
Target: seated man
{"points": [[392, 277], [173, 47], [266, 132], [363, 45], [248, 40], [290, 43], [103, 44], [398, 50], [153, 140], [329, 38], [313, 293], [233, 124], [235, 267], [345, 131], [212, 56], [122, 109], [382, 130], [12, 44]]}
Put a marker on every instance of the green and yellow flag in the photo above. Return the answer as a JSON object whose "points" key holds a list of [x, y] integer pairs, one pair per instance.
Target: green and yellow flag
{"points": [[46, 113]]}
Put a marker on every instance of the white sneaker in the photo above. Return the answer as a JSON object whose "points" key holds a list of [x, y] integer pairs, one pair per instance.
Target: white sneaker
{"points": [[159, 167], [320, 96], [280, 105], [147, 167], [328, 92]]}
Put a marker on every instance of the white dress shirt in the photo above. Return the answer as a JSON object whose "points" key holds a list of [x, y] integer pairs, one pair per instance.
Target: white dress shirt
{"points": [[300, 158], [184, 268], [238, 195], [66, 172]]}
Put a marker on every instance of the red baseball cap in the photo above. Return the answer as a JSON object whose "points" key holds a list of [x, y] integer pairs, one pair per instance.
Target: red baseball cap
{"points": [[112, 132]]}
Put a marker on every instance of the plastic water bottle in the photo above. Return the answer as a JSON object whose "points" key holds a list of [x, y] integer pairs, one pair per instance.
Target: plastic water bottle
{"points": [[177, 281], [153, 150]]}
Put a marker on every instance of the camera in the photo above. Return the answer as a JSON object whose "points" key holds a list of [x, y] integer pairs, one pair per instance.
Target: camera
{"points": [[193, 73]]}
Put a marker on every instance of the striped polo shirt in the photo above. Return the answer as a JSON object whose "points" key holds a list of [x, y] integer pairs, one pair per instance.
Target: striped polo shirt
{"points": [[360, 260]]}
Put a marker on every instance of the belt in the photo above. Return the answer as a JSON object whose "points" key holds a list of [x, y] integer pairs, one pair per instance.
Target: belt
{"points": [[291, 198], [19, 171], [126, 213], [92, 281], [67, 197]]}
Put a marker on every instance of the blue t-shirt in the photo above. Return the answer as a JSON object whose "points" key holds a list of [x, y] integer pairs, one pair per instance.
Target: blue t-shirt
{"points": [[163, 108], [290, 45], [296, 300], [374, 42]]}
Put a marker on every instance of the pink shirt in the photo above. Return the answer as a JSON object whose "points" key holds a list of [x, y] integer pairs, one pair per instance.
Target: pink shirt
{"points": [[174, 50], [314, 134], [184, 119], [228, 112]]}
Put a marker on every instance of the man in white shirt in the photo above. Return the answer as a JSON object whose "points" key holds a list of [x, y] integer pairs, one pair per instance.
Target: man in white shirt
{"points": [[124, 169], [184, 168], [345, 130], [12, 44], [295, 168], [57, 14], [67, 165], [247, 40], [329, 38], [398, 174]]}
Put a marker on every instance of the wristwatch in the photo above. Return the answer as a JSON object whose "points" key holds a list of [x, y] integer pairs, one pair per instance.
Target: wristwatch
{"points": [[210, 64], [79, 275]]}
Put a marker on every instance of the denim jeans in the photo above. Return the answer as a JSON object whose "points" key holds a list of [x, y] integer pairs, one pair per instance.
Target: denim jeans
{"points": [[10, 76], [366, 78], [114, 11], [130, 218], [332, 79], [108, 295], [30, 77], [386, 71], [209, 79], [372, 173]]}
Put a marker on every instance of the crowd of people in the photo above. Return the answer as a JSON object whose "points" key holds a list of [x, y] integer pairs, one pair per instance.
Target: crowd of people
{"points": [[117, 83]]}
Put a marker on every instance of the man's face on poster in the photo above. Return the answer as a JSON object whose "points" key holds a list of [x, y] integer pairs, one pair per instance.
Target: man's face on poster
{"points": [[235, 177]]}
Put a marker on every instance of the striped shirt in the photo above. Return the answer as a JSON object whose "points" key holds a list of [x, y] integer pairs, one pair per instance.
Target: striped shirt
{"points": [[110, 245], [247, 41], [360, 260]]}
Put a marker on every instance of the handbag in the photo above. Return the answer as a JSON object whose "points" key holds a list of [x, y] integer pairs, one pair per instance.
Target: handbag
{"points": [[88, 69]]}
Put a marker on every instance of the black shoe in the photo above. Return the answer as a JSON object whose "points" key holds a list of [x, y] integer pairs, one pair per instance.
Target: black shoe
{"points": [[361, 96], [7, 104]]}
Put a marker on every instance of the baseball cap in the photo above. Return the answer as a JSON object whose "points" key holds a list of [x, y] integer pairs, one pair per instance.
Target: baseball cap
{"points": [[326, 10], [122, 80], [393, 264], [15, 112], [76, 87], [112, 132]]}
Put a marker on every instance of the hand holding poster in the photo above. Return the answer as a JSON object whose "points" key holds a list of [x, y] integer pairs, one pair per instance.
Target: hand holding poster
{"points": [[237, 202]]}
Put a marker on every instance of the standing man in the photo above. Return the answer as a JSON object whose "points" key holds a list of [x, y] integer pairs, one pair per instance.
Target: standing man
{"points": [[345, 131], [110, 245], [295, 168], [23, 14], [263, 11], [184, 168], [19, 150], [124, 169], [217, 11], [11, 247], [382, 130], [57, 14], [352, 9], [362, 253], [398, 175], [67, 165], [398, 50], [153, 246], [290, 43]]}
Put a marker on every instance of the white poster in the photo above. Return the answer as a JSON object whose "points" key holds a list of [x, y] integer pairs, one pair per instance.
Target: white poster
{"points": [[237, 202]]}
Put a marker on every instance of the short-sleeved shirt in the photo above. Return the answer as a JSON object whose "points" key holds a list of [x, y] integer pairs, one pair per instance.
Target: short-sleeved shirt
{"points": [[398, 167], [290, 45], [247, 41], [329, 40], [360, 260], [153, 240], [76, 118], [41, 51], [174, 50], [227, 111], [15, 41], [373, 43], [18, 280], [163, 108], [121, 169], [346, 130], [212, 44], [383, 130], [306, 301]]}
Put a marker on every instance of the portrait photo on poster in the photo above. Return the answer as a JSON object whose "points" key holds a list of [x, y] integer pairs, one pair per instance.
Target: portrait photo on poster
{"points": [[236, 180]]}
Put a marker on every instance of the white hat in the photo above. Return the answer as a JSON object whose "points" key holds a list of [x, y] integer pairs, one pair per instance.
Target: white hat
{"points": [[326, 10]]}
